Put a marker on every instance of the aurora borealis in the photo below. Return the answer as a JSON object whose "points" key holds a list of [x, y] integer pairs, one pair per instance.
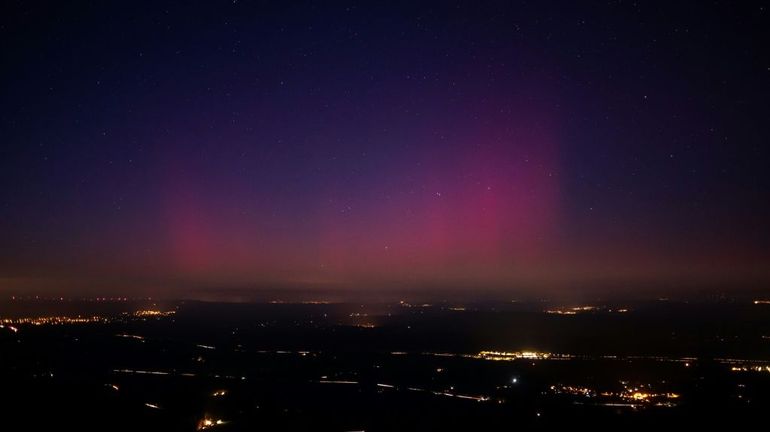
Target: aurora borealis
{"points": [[159, 147]]}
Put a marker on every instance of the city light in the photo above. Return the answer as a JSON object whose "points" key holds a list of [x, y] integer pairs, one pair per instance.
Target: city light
{"points": [[515, 355], [207, 422]]}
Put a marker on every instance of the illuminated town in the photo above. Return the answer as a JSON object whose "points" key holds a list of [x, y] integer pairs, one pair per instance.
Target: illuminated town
{"points": [[79, 319]]}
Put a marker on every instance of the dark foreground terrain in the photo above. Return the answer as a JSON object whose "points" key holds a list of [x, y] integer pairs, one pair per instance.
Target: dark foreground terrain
{"points": [[183, 366]]}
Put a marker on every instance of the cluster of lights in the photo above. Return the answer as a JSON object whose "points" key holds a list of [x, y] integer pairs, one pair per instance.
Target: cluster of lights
{"points": [[750, 368], [570, 310], [643, 394], [410, 305], [573, 390], [79, 319], [207, 422], [54, 320], [574, 310], [130, 336], [633, 395], [736, 365], [516, 355], [9, 327], [365, 325], [152, 313]]}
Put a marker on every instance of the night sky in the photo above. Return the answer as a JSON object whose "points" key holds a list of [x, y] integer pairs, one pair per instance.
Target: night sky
{"points": [[167, 148]]}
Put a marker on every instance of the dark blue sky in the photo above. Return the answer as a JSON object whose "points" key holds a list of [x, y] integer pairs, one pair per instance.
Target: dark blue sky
{"points": [[512, 145]]}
